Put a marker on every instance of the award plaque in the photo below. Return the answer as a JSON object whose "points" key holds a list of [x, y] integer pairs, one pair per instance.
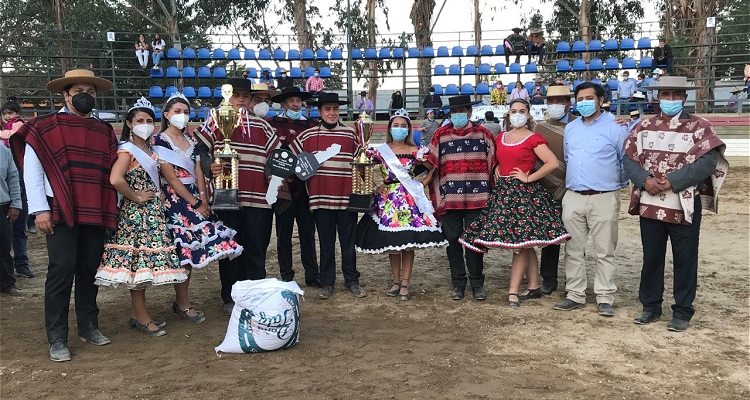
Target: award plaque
{"points": [[225, 185], [362, 196]]}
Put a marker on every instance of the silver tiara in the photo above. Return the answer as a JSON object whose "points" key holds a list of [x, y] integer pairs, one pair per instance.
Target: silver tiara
{"points": [[401, 113], [141, 103], [178, 95]]}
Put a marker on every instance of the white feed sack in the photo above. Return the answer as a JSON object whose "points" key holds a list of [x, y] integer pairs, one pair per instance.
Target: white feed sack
{"points": [[265, 317]]}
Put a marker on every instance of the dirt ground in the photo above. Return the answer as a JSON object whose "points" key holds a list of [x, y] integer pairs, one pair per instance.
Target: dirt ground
{"points": [[429, 347]]}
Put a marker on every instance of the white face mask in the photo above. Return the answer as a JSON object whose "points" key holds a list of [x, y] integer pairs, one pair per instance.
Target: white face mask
{"points": [[143, 131], [261, 109], [179, 121], [557, 111], [518, 120]]}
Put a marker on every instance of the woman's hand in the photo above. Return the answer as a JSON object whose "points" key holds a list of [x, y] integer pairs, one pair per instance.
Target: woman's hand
{"points": [[204, 210], [144, 196], [382, 190], [520, 175]]}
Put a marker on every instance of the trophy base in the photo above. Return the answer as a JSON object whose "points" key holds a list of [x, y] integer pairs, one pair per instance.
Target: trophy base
{"points": [[225, 199], [360, 202]]}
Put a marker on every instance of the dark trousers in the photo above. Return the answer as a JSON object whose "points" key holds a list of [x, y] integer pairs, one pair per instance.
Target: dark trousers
{"points": [[684, 240], [253, 226], [548, 264], [329, 223], [19, 237], [6, 242], [299, 211], [534, 49], [454, 224], [74, 253]]}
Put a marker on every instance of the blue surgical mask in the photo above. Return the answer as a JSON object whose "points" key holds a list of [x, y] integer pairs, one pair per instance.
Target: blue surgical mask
{"points": [[399, 134], [459, 120], [670, 107], [586, 107], [316, 74], [293, 114]]}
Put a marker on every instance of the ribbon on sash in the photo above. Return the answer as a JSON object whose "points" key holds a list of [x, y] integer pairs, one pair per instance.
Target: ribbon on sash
{"points": [[177, 159], [413, 186], [148, 163]]}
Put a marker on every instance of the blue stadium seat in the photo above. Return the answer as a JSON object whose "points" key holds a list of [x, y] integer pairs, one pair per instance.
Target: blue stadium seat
{"points": [[157, 113], [443, 52], [157, 73], [249, 54], [155, 92], [467, 88], [170, 90], [309, 71], [414, 52], [440, 69], [188, 72], [204, 54], [613, 83], [277, 73], [271, 112], [577, 82], [485, 69], [595, 45], [173, 54], [252, 72], [470, 69], [454, 69], [307, 54], [500, 68], [173, 72], [204, 72], [579, 46], [531, 68], [264, 54], [356, 53], [515, 68], [611, 63], [295, 72], [509, 88], [384, 53], [219, 54], [451, 89], [314, 113], [457, 51], [325, 72], [398, 52], [279, 54], [611, 45], [579, 64], [438, 89], [529, 86], [487, 50], [596, 81], [204, 112], [628, 63], [595, 64], [220, 72], [321, 54], [371, 54], [644, 43], [189, 92], [234, 54], [217, 92], [646, 62], [336, 54], [500, 50], [562, 66], [204, 92], [472, 51], [293, 54], [627, 44], [192, 113], [563, 47], [483, 88], [428, 52], [188, 53]]}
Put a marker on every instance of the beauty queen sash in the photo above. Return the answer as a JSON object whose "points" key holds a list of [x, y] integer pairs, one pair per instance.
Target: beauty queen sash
{"points": [[413, 186], [148, 163], [179, 160]]}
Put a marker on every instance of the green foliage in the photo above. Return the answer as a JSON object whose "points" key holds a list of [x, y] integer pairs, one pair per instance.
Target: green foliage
{"points": [[733, 39], [608, 19]]}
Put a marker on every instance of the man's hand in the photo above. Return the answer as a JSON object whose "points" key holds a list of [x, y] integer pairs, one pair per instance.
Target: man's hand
{"points": [[13, 214], [216, 169], [44, 223], [664, 184], [652, 186]]}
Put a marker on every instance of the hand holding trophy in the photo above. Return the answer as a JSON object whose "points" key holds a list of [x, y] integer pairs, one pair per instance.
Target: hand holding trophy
{"points": [[226, 184]]}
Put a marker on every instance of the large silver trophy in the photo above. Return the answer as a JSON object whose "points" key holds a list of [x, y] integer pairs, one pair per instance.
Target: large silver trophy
{"points": [[226, 184]]}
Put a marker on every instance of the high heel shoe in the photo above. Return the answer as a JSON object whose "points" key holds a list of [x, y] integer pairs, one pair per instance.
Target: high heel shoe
{"points": [[393, 292], [404, 297], [512, 303], [531, 294]]}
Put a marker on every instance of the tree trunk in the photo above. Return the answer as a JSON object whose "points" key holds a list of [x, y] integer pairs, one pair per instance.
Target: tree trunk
{"points": [[421, 14], [477, 43], [373, 82], [585, 29], [63, 43], [302, 27]]}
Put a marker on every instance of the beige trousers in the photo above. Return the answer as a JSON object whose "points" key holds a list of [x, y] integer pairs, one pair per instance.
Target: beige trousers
{"points": [[595, 215]]}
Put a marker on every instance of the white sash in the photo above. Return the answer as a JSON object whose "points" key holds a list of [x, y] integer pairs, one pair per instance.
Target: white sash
{"points": [[148, 163], [177, 159], [413, 186]]}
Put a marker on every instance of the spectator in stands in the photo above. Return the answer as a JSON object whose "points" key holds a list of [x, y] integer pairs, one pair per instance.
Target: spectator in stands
{"points": [[519, 92], [560, 81], [734, 99], [157, 48], [491, 123], [537, 92], [640, 93], [515, 44], [635, 118], [314, 85], [364, 105], [265, 77], [285, 81], [625, 90], [498, 96], [653, 95], [535, 45], [428, 127], [141, 51], [663, 55], [397, 101], [433, 101]]}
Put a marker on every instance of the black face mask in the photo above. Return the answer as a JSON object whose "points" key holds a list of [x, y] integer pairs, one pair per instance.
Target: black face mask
{"points": [[83, 103]]}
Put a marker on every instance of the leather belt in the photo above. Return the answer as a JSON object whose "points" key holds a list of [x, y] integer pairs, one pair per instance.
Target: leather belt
{"points": [[591, 192]]}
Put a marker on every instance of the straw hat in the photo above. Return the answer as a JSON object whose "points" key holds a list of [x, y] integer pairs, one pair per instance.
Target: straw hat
{"points": [[738, 89], [535, 30], [262, 88], [635, 113], [672, 83], [558, 91], [79, 76]]}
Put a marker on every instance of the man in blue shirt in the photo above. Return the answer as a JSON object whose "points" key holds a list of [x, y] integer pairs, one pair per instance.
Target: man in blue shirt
{"points": [[625, 90], [593, 151]]}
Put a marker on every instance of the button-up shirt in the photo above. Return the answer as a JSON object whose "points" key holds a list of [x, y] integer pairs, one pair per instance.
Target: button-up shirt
{"points": [[593, 155], [314, 84], [625, 89], [364, 104]]}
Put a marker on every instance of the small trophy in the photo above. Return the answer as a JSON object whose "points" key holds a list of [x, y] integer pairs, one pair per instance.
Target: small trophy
{"points": [[362, 185], [226, 184]]}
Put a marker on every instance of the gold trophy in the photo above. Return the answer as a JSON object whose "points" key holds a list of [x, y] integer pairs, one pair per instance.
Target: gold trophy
{"points": [[362, 180], [226, 184]]}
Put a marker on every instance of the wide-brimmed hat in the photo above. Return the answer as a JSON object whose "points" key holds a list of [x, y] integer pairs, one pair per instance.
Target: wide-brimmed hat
{"points": [[537, 79], [737, 89], [463, 100], [262, 88], [364, 92], [283, 71], [606, 105], [536, 30], [291, 92], [558, 91], [634, 113], [672, 83], [241, 84], [328, 98], [79, 76]]}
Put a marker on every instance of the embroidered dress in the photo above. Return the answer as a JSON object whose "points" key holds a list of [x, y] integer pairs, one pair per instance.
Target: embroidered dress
{"points": [[518, 215], [199, 241], [396, 223], [141, 250]]}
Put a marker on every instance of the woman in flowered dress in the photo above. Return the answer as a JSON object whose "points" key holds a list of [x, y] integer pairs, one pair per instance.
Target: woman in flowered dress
{"points": [[199, 235], [141, 250], [402, 220], [520, 214]]}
